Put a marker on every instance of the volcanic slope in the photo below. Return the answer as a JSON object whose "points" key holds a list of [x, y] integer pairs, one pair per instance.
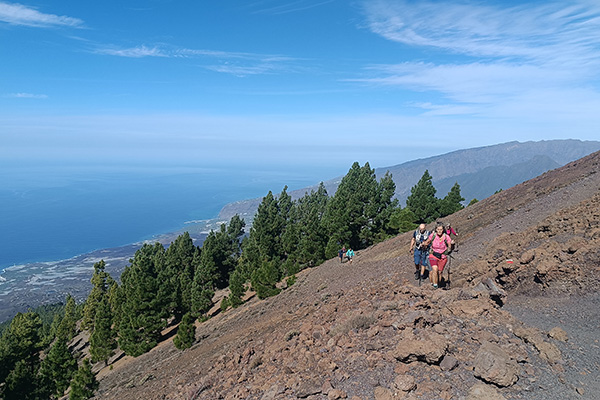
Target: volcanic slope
{"points": [[519, 321]]}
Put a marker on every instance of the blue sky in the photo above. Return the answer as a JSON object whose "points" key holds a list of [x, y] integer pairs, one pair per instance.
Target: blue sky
{"points": [[315, 84]]}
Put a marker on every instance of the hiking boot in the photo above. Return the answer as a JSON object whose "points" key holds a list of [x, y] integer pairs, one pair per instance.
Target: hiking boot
{"points": [[417, 275]]}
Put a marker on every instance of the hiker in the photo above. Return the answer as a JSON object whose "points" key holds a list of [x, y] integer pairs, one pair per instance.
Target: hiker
{"points": [[349, 255], [440, 248], [342, 253], [421, 251], [450, 230]]}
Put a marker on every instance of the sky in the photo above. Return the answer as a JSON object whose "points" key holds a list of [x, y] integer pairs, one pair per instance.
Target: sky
{"points": [[313, 84]]}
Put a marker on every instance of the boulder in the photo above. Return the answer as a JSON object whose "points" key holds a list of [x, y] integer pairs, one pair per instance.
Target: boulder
{"points": [[493, 365], [558, 334], [548, 351], [405, 383], [448, 363], [527, 256], [482, 391], [382, 393], [429, 349]]}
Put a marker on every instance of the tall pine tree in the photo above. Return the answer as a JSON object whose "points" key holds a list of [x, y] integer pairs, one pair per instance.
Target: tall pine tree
{"points": [[452, 202], [144, 311], [355, 215], [56, 370], [311, 233], [186, 332], [422, 201], [84, 382], [21, 343], [68, 324], [101, 281], [102, 340], [178, 274]]}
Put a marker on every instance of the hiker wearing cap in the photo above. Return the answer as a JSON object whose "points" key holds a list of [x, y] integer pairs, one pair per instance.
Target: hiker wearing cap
{"points": [[420, 250], [441, 245]]}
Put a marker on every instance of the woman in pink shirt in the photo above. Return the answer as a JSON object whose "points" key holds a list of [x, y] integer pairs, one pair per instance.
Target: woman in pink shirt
{"points": [[440, 246]]}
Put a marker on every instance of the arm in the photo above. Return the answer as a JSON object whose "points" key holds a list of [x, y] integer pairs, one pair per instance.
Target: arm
{"points": [[412, 244], [429, 239]]}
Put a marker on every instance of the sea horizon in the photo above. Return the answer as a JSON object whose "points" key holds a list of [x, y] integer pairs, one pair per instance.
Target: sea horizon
{"points": [[56, 214]]}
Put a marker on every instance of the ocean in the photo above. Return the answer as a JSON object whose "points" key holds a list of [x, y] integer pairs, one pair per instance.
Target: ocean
{"points": [[55, 213]]}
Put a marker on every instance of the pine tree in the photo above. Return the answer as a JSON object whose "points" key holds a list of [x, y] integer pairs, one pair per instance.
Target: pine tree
{"points": [[102, 340], [237, 288], [422, 201], [264, 279], [57, 369], [202, 289], [215, 256], [352, 214], [452, 202], [68, 325], [402, 220], [115, 299], [266, 231], [235, 230], [263, 248], [84, 382], [178, 275], [101, 281], [144, 312], [21, 384], [186, 333], [386, 206], [21, 343], [311, 234], [287, 215]]}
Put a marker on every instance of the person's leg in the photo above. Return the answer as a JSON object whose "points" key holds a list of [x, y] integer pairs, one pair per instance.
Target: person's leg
{"points": [[441, 265], [433, 274], [417, 260]]}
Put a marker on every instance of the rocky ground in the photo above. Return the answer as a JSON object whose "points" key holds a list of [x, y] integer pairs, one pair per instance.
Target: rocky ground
{"points": [[519, 322]]}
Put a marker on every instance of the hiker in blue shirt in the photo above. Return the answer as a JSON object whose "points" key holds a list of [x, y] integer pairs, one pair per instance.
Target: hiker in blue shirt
{"points": [[342, 253], [420, 250]]}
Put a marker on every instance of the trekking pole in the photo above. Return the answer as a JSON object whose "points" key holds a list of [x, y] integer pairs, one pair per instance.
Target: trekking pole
{"points": [[450, 258]]}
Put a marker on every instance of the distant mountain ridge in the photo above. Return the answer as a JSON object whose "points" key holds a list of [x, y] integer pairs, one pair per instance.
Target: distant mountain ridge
{"points": [[480, 171]]}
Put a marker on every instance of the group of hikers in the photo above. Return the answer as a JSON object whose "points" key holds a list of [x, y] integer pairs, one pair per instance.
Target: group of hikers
{"points": [[348, 253], [431, 251]]}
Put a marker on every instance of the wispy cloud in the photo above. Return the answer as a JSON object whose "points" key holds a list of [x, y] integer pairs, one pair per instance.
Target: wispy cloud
{"points": [[547, 32], [26, 96], [17, 14], [499, 54], [234, 63], [133, 52], [277, 7]]}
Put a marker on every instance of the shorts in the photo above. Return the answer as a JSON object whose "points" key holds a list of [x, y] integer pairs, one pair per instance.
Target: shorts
{"points": [[420, 257], [441, 263]]}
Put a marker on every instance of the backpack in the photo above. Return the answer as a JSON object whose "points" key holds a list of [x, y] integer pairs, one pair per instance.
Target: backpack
{"points": [[420, 237]]}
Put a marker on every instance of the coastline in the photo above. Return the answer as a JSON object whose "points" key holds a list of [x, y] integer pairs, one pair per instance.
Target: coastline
{"points": [[29, 285]]}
